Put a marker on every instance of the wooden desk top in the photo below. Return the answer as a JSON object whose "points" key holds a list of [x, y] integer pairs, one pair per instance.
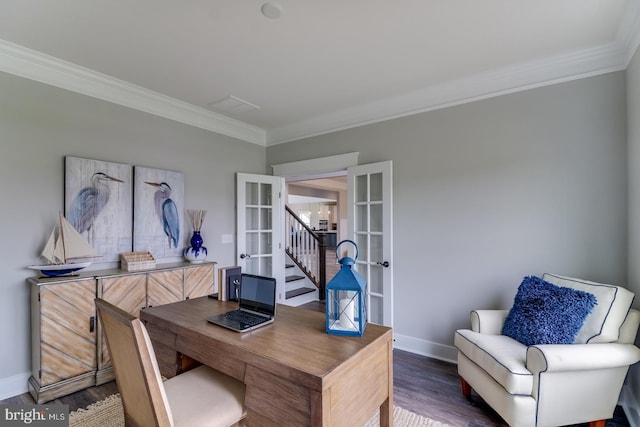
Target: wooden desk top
{"points": [[295, 344]]}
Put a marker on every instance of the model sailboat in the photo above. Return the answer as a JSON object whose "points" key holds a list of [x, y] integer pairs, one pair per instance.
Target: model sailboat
{"points": [[61, 251]]}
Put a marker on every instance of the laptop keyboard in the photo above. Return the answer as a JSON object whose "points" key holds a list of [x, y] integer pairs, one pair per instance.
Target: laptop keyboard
{"points": [[244, 317]]}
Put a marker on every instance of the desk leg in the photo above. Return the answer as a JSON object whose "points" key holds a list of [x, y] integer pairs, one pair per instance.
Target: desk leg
{"points": [[386, 414], [386, 409]]}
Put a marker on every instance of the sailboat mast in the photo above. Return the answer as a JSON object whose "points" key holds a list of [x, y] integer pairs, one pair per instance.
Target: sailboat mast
{"points": [[64, 249]]}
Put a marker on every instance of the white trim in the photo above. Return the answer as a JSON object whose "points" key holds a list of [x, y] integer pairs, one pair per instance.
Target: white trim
{"points": [[426, 348], [14, 385], [316, 166], [30, 64], [628, 35], [530, 75], [603, 59]]}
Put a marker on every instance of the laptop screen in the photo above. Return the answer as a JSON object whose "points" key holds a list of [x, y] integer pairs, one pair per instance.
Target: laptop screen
{"points": [[258, 293]]}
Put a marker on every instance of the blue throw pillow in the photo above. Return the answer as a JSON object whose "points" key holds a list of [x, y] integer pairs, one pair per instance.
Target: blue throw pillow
{"points": [[544, 313]]}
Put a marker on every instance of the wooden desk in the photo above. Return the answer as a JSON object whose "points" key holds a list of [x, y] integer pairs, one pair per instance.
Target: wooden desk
{"points": [[295, 373]]}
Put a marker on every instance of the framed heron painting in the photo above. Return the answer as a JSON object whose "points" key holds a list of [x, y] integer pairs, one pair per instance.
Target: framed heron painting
{"points": [[98, 204], [158, 212]]}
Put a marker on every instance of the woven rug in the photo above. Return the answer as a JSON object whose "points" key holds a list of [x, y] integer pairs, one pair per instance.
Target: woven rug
{"points": [[108, 413]]}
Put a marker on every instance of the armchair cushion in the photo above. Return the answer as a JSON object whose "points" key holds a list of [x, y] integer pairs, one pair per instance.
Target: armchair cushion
{"points": [[543, 313], [603, 324], [503, 358]]}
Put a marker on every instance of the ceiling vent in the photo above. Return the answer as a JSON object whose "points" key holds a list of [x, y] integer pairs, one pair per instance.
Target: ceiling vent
{"points": [[232, 105]]}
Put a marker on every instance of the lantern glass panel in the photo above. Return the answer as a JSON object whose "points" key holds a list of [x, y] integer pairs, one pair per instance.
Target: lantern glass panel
{"points": [[344, 310]]}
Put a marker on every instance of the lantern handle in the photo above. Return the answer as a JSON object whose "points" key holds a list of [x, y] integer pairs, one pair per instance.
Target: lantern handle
{"points": [[347, 241]]}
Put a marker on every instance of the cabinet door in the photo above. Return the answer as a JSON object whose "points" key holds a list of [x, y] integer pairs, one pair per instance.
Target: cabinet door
{"points": [[67, 330], [165, 287], [198, 281], [126, 292]]}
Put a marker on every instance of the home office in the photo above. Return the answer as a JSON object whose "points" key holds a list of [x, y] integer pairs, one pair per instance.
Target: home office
{"points": [[485, 192]]}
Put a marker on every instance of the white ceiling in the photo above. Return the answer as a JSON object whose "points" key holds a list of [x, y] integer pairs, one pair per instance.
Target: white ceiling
{"points": [[323, 65]]}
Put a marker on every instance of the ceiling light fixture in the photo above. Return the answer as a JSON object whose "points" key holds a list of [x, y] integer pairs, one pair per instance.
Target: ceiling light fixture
{"points": [[271, 10]]}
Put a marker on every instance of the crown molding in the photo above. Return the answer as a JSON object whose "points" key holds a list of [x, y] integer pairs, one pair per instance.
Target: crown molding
{"points": [[534, 74], [33, 65], [611, 57], [628, 35], [615, 56]]}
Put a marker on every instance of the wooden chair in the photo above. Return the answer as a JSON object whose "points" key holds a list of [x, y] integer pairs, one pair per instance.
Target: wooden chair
{"points": [[199, 397]]}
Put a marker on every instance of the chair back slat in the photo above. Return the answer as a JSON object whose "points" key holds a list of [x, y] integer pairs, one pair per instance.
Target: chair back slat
{"points": [[136, 369]]}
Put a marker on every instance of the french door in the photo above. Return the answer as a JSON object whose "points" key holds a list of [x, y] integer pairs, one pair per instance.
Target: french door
{"points": [[260, 213], [370, 226]]}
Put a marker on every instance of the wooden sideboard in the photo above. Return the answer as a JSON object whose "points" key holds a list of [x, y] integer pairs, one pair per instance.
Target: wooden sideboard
{"points": [[68, 349]]}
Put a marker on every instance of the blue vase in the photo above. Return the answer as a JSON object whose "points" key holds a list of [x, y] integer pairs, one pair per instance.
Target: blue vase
{"points": [[196, 253]]}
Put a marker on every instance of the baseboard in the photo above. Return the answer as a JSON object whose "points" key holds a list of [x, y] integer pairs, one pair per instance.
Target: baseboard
{"points": [[13, 386], [630, 406], [425, 348]]}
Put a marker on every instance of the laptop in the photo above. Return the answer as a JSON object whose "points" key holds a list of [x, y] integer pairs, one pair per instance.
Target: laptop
{"points": [[257, 305]]}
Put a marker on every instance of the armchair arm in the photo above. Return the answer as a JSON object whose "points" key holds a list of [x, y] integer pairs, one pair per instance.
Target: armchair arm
{"points": [[488, 321], [580, 357]]}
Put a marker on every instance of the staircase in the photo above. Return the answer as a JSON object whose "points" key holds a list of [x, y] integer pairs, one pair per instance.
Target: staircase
{"points": [[298, 289], [305, 265]]}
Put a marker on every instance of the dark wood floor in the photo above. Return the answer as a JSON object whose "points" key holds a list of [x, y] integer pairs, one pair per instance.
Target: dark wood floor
{"points": [[422, 385]]}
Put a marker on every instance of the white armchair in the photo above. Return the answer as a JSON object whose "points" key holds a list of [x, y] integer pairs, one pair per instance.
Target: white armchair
{"points": [[552, 384]]}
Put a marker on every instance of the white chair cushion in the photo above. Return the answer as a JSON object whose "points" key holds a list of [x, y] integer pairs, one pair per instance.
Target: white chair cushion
{"points": [[613, 304], [203, 396], [503, 358]]}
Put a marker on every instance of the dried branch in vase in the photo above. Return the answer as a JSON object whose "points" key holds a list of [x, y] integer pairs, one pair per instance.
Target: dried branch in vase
{"points": [[196, 216]]}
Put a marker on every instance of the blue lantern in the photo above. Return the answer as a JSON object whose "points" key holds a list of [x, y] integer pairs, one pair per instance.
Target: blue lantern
{"points": [[347, 299]]}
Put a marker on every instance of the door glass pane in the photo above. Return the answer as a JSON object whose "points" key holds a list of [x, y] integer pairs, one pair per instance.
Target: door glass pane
{"points": [[252, 193], [362, 223], [252, 243], [376, 313], [376, 248], [375, 182], [361, 188], [253, 223], [375, 279], [375, 217], [252, 265], [265, 194], [361, 241], [265, 243], [265, 266], [265, 223]]}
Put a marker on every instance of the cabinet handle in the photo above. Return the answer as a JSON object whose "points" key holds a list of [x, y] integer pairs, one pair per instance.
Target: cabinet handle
{"points": [[92, 323]]}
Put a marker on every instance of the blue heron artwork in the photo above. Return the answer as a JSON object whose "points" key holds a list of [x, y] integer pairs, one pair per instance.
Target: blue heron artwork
{"points": [[98, 204], [89, 202], [158, 213], [167, 212]]}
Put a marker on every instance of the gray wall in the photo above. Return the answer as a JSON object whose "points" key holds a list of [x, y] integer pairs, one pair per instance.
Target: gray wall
{"points": [[484, 193], [633, 119], [39, 125], [488, 192]]}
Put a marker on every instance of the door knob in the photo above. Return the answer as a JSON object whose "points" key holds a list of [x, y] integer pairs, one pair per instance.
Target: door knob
{"points": [[243, 256], [385, 264]]}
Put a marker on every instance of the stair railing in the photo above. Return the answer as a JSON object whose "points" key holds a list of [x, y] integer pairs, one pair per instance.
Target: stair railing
{"points": [[307, 249]]}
